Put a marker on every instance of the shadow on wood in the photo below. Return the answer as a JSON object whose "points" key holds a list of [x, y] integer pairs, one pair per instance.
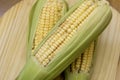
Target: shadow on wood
{"points": [[6, 4]]}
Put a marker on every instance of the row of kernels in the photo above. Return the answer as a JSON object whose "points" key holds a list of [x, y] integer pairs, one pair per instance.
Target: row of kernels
{"points": [[85, 15], [75, 14], [78, 62], [72, 67], [84, 60], [90, 56], [56, 45]]}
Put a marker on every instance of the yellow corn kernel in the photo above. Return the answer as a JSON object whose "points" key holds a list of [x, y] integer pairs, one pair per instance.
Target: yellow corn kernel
{"points": [[50, 14]]}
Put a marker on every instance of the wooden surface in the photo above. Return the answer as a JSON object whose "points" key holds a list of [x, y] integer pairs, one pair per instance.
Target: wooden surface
{"points": [[13, 28]]}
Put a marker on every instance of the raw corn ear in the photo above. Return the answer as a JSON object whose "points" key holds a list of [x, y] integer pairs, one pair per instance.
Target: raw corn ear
{"points": [[45, 14], [80, 68], [70, 37]]}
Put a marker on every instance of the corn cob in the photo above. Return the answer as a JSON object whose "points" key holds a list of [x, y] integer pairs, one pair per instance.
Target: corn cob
{"points": [[80, 68], [52, 11], [45, 17], [70, 36]]}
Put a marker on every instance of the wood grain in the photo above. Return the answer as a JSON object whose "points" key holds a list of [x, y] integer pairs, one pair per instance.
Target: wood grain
{"points": [[13, 31]]}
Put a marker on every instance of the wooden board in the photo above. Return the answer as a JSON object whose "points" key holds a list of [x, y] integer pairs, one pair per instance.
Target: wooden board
{"points": [[13, 29]]}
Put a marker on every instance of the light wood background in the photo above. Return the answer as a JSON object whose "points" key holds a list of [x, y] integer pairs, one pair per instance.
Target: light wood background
{"points": [[13, 28]]}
